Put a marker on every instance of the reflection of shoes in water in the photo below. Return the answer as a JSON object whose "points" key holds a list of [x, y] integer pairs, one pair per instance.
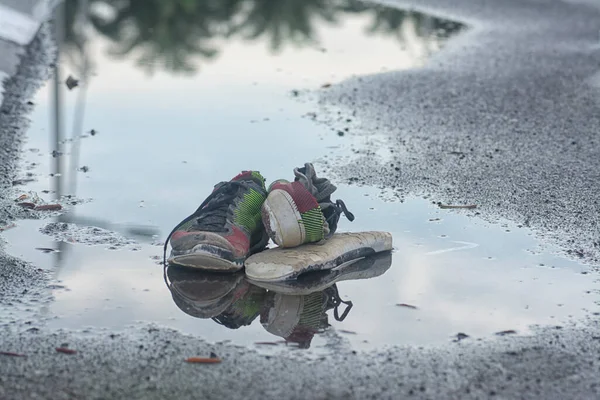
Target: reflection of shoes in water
{"points": [[283, 264], [225, 229], [298, 318], [226, 298], [364, 268], [302, 211]]}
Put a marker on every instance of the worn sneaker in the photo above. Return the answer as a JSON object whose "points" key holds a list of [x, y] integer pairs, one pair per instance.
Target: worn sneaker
{"points": [[225, 229], [302, 211]]}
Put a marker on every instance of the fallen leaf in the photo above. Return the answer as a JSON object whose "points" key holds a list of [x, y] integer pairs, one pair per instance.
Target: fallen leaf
{"points": [[11, 354], [65, 350], [407, 306], [49, 207], [22, 197], [26, 204], [203, 360]]}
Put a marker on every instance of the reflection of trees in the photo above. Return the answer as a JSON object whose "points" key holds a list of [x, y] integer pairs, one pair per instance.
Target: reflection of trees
{"points": [[170, 34], [389, 21], [284, 20], [161, 32]]}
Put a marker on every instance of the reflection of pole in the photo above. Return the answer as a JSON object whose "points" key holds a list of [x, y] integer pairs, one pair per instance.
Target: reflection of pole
{"points": [[81, 24], [59, 35], [57, 100]]}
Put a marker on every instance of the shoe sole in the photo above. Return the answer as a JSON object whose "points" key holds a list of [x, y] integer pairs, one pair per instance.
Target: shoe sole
{"points": [[364, 268], [341, 249], [203, 259], [282, 220]]}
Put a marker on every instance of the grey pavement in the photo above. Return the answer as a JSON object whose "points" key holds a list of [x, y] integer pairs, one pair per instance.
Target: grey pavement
{"points": [[492, 88], [506, 117]]}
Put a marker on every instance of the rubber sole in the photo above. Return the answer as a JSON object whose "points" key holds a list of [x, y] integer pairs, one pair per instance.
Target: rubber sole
{"points": [[364, 268], [204, 260], [341, 249], [282, 220]]}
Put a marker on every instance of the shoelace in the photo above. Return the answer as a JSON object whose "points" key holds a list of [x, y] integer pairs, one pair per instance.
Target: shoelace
{"points": [[208, 208], [340, 208], [335, 301]]}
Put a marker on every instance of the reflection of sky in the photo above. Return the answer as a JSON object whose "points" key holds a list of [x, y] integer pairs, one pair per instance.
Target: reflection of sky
{"points": [[166, 140]]}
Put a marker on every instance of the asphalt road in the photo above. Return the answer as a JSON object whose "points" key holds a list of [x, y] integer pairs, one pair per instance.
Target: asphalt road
{"points": [[506, 117], [521, 82]]}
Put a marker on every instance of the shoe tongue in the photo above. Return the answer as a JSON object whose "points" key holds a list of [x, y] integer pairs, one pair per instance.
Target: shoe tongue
{"points": [[321, 188], [252, 176]]}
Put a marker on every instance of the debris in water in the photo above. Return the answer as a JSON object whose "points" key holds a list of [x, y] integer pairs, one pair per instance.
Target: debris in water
{"points": [[49, 207], [460, 336], [22, 197], [506, 332], [46, 249], [347, 331], [407, 306], [266, 343], [325, 85], [71, 82], [26, 205], [93, 132], [17, 182], [444, 206], [84, 169], [65, 350]]}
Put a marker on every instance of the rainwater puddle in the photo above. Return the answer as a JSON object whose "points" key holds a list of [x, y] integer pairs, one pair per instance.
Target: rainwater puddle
{"points": [[161, 141], [449, 274]]}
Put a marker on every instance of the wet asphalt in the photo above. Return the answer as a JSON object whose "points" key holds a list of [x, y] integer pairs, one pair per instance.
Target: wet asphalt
{"points": [[505, 117]]}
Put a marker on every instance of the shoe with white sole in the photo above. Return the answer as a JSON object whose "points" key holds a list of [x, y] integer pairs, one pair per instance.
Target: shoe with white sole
{"points": [[302, 211], [224, 230]]}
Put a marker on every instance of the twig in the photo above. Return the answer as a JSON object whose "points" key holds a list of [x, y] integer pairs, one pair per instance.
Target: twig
{"points": [[10, 353], [444, 206]]}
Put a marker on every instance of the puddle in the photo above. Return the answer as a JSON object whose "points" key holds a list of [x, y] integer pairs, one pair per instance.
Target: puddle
{"points": [[161, 141], [462, 276]]}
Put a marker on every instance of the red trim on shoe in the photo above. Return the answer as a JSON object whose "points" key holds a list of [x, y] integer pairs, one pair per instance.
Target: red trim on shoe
{"points": [[180, 234], [304, 200], [243, 176], [240, 242]]}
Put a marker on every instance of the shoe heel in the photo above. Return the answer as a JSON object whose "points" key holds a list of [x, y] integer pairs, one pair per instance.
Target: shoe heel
{"points": [[282, 220]]}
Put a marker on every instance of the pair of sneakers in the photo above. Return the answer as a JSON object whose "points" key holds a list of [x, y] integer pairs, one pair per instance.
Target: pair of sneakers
{"points": [[237, 219]]}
